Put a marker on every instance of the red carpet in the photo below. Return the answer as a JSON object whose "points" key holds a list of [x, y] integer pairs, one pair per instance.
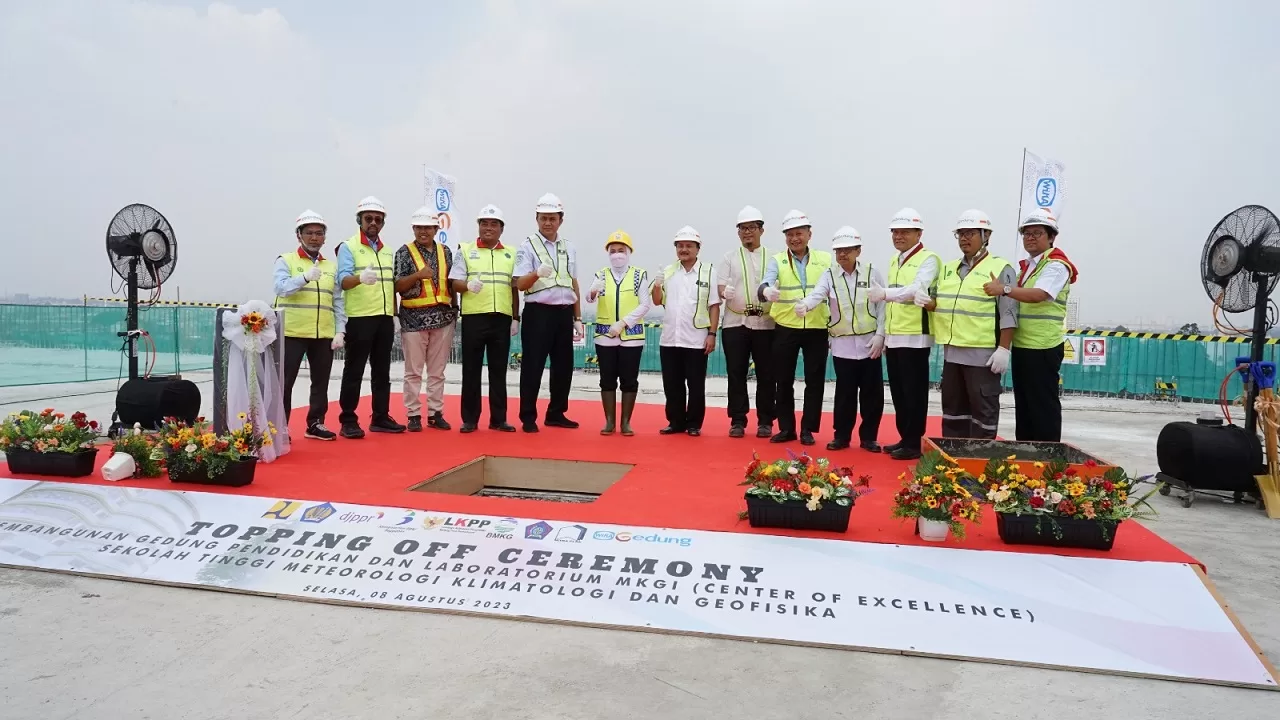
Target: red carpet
{"points": [[677, 481]]}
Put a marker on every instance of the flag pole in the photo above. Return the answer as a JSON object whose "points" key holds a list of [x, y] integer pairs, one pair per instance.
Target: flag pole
{"points": [[1021, 181]]}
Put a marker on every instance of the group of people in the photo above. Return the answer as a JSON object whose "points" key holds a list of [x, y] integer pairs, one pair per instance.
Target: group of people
{"points": [[769, 309]]}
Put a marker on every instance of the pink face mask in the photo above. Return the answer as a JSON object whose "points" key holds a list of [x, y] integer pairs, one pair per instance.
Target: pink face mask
{"points": [[618, 260]]}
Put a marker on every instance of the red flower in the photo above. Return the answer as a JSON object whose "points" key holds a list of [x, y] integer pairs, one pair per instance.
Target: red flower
{"points": [[755, 465], [1071, 471], [1105, 504], [1091, 463], [1066, 507], [1036, 501], [1107, 486], [93, 424]]}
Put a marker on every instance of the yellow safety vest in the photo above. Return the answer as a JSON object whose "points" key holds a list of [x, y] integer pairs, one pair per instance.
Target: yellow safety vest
{"points": [[749, 292], [429, 293], [854, 311], [1041, 325], [561, 277], [702, 311], [493, 267], [966, 316], [380, 297], [308, 313], [619, 300], [793, 289], [906, 318]]}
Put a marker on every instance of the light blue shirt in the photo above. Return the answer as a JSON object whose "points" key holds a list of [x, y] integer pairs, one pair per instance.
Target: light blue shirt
{"points": [[527, 261], [771, 272], [287, 284], [347, 263]]}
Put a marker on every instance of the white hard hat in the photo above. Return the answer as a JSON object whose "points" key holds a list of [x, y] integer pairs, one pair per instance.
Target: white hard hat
{"points": [[688, 234], [424, 217], [906, 219], [371, 204], [1040, 216], [309, 217], [973, 219], [549, 204], [491, 212], [846, 237], [749, 214], [795, 219]]}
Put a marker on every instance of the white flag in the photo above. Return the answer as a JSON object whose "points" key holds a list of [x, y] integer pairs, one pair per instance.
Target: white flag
{"points": [[1042, 187], [440, 194]]}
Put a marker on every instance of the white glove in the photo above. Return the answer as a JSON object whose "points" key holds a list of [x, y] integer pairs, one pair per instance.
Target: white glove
{"points": [[875, 294], [597, 286], [312, 274], [475, 286], [338, 341], [922, 298], [730, 292], [579, 331], [802, 308], [545, 271], [515, 328], [999, 361], [659, 277], [877, 346], [616, 329], [369, 276], [772, 294]]}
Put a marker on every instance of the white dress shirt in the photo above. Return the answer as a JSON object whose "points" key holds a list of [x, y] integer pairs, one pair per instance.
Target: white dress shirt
{"points": [[905, 295], [632, 318], [850, 347], [730, 274], [527, 261], [680, 296], [1052, 279]]}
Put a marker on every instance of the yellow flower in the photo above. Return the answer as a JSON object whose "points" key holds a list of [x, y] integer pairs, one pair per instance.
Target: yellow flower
{"points": [[1039, 466], [940, 467], [242, 416], [1011, 457], [937, 488], [1075, 490], [1123, 496], [931, 502]]}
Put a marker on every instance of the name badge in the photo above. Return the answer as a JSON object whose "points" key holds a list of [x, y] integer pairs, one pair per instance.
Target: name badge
{"points": [[863, 284], [475, 255]]}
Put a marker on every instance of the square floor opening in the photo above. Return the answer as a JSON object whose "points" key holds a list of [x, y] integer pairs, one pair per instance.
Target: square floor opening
{"points": [[573, 481]]}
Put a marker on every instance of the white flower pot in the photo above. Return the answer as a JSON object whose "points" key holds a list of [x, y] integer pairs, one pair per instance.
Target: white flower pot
{"points": [[933, 530]]}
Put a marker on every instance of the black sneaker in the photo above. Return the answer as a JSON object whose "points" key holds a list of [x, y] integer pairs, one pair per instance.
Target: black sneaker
{"points": [[415, 423], [437, 421], [352, 431], [764, 431], [320, 432], [468, 428], [386, 425], [737, 431], [503, 427], [561, 422]]}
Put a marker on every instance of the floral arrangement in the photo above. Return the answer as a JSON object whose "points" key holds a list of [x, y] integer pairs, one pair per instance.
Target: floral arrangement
{"points": [[47, 432], [939, 490], [253, 322], [801, 478], [145, 449], [194, 448], [1054, 490]]}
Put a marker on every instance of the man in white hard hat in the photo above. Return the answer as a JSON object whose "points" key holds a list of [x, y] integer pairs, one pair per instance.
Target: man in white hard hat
{"points": [[788, 278], [621, 304], [747, 329], [307, 289], [913, 273], [366, 270], [546, 272], [687, 291], [1042, 291], [482, 273], [975, 331], [857, 340], [428, 310]]}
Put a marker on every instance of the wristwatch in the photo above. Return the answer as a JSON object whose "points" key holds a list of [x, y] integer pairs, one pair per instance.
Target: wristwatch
{"points": [[1007, 289]]}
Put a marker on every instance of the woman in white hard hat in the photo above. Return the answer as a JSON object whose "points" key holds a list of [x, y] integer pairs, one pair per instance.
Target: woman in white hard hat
{"points": [[621, 304]]}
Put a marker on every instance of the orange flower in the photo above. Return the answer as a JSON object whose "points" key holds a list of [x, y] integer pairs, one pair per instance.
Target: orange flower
{"points": [[805, 488]]}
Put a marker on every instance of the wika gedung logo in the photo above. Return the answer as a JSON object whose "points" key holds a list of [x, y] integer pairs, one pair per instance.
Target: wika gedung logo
{"points": [[442, 199]]}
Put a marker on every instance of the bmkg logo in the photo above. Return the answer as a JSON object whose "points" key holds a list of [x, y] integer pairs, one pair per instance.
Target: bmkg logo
{"points": [[537, 531], [318, 513], [1046, 192]]}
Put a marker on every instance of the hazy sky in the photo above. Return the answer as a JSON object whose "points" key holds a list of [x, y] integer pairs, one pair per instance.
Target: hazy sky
{"points": [[233, 117]]}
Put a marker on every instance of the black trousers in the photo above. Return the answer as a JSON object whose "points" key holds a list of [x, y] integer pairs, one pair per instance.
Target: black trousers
{"points": [[970, 401], [1038, 408], [908, 370], [859, 386], [319, 355], [546, 331], [368, 340], [619, 365], [741, 347], [787, 346], [485, 336], [684, 382]]}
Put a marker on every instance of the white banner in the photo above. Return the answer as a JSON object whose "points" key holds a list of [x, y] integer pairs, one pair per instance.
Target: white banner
{"points": [[1148, 618], [440, 189], [1042, 187]]}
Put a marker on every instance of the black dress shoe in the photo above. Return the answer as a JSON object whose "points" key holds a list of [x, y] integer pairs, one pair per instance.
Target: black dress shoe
{"points": [[669, 430], [783, 437], [529, 427], [560, 422], [469, 428], [415, 423], [386, 425], [694, 432], [891, 448], [806, 438], [764, 431], [437, 421], [737, 431], [905, 453], [502, 427], [837, 444], [870, 446], [352, 431]]}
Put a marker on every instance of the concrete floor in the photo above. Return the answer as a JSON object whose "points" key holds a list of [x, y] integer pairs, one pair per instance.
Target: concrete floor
{"points": [[83, 648]]}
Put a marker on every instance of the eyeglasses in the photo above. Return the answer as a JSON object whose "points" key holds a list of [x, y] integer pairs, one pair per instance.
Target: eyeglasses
{"points": [[965, 234], [313, 233], [1035, 234], [745, 228]]}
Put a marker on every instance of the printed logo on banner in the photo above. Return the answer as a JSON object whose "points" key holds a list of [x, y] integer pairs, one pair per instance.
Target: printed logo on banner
{"points": [[442, 199], [1046, 192], [282, 510], [506, 525], [318, 513], [653, 538], [403, 522], [602, 535], [572, 534], [459, 524], [356, 518], [538, 531]]}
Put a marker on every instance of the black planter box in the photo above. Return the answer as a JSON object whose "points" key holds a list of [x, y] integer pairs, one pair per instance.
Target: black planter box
{"points": [[29, 462], [1076, 533], [237, 474], [794, 515]]}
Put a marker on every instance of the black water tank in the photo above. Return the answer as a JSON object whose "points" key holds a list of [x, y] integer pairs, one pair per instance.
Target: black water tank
{"points": [[149, 400], [1209, 457]]}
